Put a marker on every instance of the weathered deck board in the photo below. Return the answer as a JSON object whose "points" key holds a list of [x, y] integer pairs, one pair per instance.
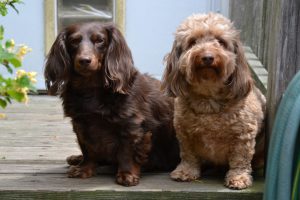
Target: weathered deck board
{"points": [[34, 142]]}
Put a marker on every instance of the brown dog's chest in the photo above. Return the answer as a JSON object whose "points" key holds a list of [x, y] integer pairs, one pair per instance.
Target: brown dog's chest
{"points": [[92, 101], [99, 137]]}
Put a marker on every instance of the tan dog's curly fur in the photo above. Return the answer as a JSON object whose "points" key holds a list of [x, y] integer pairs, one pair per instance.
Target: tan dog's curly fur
{"points": [[218, 110]]}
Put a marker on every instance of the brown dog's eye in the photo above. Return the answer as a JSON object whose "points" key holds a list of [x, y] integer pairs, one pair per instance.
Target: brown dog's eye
{"points": [[97, 40], [74, 42]]}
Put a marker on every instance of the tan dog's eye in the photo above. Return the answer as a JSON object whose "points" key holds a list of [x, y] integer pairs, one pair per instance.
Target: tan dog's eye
{"points": [[191, 42], [222, 42]]}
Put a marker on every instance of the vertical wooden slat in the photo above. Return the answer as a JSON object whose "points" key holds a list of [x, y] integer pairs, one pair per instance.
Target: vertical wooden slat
{"points": [[247, 17], [283, 50], [50, 15], [120, 15]]}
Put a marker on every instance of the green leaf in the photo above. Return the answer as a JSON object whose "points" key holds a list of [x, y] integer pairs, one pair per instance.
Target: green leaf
{"points": [[13, 6], [11, 58], [16, 95], [9, 69], [1, 78], [24, 81], [5, 55], [5, 4], [6, 65], [3, 10], [8, 100], [15, 62], [1, 32], [9, 82], [8, 44], [3, 103]]}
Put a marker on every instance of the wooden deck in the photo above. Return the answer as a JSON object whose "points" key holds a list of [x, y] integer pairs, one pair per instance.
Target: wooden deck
{"points": [[35, 139]]}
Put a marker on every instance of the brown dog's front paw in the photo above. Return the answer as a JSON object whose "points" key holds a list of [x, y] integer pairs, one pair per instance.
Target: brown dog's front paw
{"points": [[238, 181], [80, 172], [74, 159], [182, 173], [127, 179]]}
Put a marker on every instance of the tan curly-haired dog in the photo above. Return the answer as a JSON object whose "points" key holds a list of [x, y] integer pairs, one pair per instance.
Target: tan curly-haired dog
{"points": [[218, 110]]}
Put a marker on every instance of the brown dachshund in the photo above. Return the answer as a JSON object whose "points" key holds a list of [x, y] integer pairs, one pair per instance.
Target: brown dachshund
{"points": [[119, 115]]}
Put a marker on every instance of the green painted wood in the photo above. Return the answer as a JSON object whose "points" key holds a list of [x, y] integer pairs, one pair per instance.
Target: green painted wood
{"points": [[137, 195], [279, 176], [151, 186]]}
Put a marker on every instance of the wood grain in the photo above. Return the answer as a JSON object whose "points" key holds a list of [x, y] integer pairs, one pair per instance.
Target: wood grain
{"points": [[272, 29]]}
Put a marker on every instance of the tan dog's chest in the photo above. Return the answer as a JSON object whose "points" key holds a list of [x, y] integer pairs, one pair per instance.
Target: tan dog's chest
{"points": [[211, 135]]}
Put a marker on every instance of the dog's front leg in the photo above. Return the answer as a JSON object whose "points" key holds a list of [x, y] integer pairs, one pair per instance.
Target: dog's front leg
{"points": [[239, 174], [189, 167], [74, 159], [82, 166], [128, 169], [85, 169], [77, 159]]}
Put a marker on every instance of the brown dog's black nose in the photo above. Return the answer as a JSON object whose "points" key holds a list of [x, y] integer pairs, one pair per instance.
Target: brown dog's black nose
{"points": [[207, 59], [85, 61]]}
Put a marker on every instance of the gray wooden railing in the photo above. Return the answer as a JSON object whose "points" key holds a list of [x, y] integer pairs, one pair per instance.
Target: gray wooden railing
{"points": [[271, 28]]}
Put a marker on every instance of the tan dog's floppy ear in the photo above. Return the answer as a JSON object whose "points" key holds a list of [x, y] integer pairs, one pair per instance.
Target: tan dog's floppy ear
{"points": [[118, 63], [173, 81], [57, 66], [240, 82]]}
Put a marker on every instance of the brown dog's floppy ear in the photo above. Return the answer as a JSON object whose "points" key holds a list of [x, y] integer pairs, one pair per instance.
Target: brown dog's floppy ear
{"points": [[118, 65], [57, 65], [173, 81], [240, 82]]}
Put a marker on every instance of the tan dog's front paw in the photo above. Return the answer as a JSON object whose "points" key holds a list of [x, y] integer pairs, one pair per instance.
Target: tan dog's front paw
{"points": [[238, 181], [185, 173], [80, 172]]}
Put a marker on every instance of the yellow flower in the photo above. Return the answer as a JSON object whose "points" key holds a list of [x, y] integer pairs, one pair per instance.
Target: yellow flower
{"points": [[25, 100], [32, 76], [22, 51], [2, 116], [23, 90], [12, 43], [20, 73]]}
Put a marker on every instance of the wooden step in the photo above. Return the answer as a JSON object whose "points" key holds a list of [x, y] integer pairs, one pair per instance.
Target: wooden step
{"points": [[49, 181], [34, 142]]}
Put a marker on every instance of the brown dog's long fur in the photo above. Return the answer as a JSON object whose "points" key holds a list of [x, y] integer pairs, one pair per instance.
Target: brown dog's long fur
{"points": [[218, 110], [120, 116]]}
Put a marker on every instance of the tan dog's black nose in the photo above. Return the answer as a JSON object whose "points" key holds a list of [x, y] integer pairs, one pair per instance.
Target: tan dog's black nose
{"points": [[207, 59]]}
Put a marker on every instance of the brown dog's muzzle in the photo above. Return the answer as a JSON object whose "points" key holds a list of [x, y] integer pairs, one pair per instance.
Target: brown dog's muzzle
{"points": [[87, 61]]}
